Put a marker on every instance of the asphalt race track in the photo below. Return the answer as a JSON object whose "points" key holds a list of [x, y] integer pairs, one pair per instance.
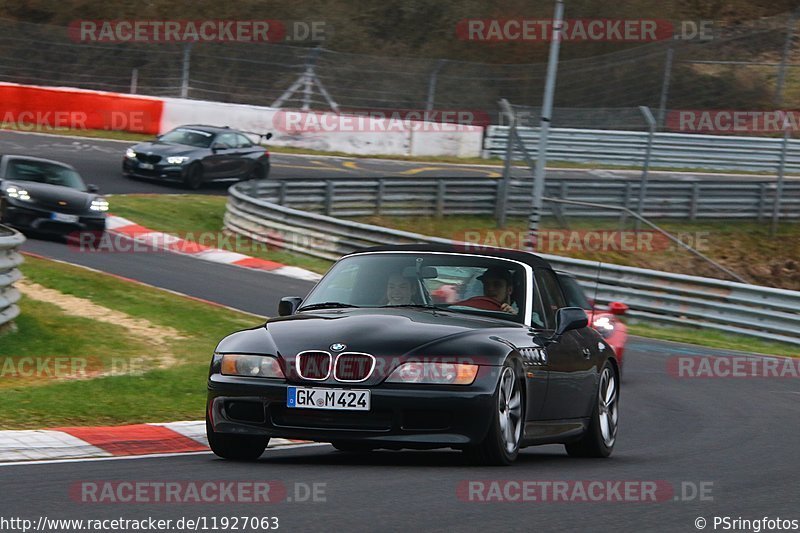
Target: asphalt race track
{"points": [[99, 161], [734, 439], [739, 435]]}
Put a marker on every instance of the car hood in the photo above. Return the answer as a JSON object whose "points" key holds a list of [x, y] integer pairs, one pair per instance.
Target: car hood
{"points": [[165, 149], [53, 195], [394, 335]]}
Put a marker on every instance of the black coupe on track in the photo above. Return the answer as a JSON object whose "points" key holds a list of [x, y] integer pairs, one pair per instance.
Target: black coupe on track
{"points": [[194, 155], [48, 197], [372, 358]]}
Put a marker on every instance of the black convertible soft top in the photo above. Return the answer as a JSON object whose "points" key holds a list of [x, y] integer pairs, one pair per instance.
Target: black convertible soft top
{"points": [[528, 258]]}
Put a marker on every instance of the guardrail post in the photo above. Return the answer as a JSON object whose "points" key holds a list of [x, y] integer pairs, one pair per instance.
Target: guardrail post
{"points": [[651, 123], [187, 58], [441, 189], [379, 197], [282, 192], [694, 200], [762, 200], [329, 191], [776, 206], [626, 200]]}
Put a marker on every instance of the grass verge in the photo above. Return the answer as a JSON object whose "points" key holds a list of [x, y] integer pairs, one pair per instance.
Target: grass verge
{"points": [[174, 393], [713, 339], [745, 247]]}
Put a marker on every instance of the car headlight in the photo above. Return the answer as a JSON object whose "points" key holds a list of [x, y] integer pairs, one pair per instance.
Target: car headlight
{"points": [[98, 204], [17, 193], [130, 153], [604, 325], [434, 373], [177, 159], [257, 366]]}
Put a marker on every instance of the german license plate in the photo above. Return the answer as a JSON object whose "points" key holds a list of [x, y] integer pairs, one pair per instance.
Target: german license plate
{"points": [[61, 217], [339, 399], [146, 166]]}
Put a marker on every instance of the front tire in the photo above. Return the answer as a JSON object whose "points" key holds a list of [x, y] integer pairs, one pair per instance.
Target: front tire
{"points": [[235, 447], [194, 177], [501, 445], [600, 437]]}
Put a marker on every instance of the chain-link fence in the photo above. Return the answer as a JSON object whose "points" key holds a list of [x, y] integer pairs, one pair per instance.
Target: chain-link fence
{"points": [[752, 65]]}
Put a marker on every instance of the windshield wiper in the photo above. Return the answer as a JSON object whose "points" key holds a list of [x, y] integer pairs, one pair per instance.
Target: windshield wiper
{"points": [[326, 305]]}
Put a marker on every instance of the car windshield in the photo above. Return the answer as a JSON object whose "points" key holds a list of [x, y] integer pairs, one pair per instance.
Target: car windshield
{"points": [[189, 137], [573, 292], [456, 282], [44, 172]]}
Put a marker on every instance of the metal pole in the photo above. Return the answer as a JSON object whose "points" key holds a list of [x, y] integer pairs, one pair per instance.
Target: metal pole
{"points": [[134, 80], [776, 206], [651, 123], [502, 189], [544, 129], [432, 84], [662, 102], [787, 46], [187, 56]]}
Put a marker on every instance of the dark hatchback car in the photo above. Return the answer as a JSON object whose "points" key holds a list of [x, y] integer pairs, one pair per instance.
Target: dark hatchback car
{"points": [[370, 359], [48, 197], [194, 155]]}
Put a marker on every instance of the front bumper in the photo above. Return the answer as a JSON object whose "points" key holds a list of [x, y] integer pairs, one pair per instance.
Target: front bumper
{"points": [[41, 219], [401, 416], [160, 171]]}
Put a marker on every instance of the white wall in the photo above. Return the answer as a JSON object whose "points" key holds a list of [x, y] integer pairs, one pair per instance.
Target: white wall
{"points": [[424, 139]]}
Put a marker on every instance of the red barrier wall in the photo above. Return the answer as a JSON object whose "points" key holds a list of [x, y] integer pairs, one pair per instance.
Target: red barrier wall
{"points": [[25, 107]]}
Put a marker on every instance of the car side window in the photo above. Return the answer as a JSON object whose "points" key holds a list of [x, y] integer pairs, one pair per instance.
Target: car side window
{"points": [[227, 139], [551, 295], [242, 141]]}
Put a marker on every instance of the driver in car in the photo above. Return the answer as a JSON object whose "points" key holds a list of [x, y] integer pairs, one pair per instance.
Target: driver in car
{"points": [[497, 289]]}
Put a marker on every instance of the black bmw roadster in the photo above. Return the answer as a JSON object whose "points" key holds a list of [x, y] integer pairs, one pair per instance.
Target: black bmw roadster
{"points": [[375, 357]]}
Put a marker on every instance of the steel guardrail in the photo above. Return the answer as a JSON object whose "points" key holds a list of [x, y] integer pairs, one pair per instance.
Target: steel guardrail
{"points": [[10, 259], [653, 296], [687, 200], [670, 150]]}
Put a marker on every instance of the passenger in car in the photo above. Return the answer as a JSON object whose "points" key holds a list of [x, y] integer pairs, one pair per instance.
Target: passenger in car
{"points": [[399, 290]]}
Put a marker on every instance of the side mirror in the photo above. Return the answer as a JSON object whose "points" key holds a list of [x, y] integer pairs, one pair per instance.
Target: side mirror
{"points": [[92, 188], [617, 308], [568, 318], [288, 305], [268, 136], [215, 147]]}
